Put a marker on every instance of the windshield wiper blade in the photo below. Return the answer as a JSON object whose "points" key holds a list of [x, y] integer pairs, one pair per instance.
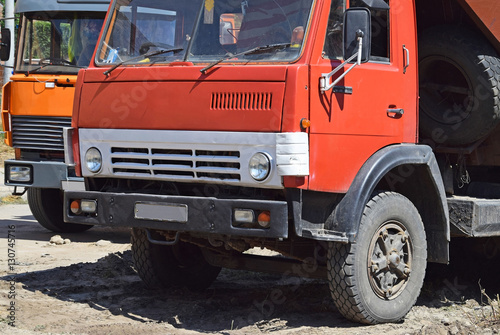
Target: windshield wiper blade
{"points": [[44, 65], [36, 69], [156, 53], [253, 51]]}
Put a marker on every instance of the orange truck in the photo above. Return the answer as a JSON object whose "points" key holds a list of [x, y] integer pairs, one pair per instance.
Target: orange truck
{"points": [[355, 138], [56, 39]]}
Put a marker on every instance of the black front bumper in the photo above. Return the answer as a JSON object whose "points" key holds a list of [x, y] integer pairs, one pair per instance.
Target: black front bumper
{"points": [[204, 215]]}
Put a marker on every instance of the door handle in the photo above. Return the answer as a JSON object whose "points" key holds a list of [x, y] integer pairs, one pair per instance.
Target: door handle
{"points": [[395, 113], [407, 58]]}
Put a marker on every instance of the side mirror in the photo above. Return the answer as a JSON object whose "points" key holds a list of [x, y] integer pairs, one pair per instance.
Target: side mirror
{"points": [[357, 44], [5, 45], [357, 23]]}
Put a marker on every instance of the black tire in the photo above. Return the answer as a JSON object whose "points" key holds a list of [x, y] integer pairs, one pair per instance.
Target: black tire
{"points": [[163, 266], [363, 288], [46, 205], [459, 86]]}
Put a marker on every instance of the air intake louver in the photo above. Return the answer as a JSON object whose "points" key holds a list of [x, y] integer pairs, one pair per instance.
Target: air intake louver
{"points": [[241, 101], [176, 163], [39, 133]]}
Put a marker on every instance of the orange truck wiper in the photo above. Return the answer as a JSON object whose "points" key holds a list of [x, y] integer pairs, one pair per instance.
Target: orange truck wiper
{"points": [[44, 65]]}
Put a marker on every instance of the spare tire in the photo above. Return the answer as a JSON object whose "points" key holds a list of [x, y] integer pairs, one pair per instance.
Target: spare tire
{"points": [[459, 74]]}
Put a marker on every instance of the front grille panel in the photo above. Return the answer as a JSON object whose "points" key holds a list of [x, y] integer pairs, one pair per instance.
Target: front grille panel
{"points": [[39, 133], [214, 157], [176, 163]]}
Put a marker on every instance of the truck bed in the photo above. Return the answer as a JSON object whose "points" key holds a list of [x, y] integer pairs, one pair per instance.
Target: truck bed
{"points": [[486, 14], [474, 217]]}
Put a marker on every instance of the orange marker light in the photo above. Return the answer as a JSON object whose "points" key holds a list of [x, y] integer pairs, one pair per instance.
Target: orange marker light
{"points": [[264, 219], [305, 123], [75, 207]]}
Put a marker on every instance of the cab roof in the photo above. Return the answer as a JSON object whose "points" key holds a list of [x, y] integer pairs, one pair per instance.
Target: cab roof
{"points": [[23, 6]]}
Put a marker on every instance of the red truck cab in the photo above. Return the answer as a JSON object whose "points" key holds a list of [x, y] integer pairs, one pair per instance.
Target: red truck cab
{"points": [[217, 126]]}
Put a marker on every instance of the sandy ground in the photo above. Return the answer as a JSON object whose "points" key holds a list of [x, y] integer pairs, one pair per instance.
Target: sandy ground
{"points": [[89, 286]]}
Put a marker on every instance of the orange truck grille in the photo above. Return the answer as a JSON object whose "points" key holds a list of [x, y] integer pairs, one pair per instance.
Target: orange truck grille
{"points": [[39, 133]]}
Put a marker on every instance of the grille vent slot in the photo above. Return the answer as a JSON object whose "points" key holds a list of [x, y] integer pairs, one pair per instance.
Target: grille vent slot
{"points": [[39, 133], [241, 101], [174, 163]]}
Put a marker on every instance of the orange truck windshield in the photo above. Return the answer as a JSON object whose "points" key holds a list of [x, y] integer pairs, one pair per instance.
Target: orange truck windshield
{"points": [[57, 44]]}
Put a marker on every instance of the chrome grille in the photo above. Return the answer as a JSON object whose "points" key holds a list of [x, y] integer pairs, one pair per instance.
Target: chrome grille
{"points": [[39, 133], [214, 157], [176, 163], [241, 101]]}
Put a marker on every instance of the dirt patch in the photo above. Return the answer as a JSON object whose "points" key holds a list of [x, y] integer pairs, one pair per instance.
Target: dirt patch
{"points": [[88, 285], [12, 199]]}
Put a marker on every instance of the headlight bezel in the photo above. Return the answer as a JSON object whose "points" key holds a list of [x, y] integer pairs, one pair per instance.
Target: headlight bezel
{"points": [[260, 159], [93, 156]]}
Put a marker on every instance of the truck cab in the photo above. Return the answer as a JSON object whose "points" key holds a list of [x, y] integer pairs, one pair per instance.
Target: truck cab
{"points": [[55, 40]]}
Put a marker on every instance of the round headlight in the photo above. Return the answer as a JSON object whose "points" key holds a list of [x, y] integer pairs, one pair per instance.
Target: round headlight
{"points": [[93, 160], [259, 166]]}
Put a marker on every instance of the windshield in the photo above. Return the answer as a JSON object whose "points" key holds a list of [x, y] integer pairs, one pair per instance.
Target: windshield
{"points": [[206, 31], [58, 44]]}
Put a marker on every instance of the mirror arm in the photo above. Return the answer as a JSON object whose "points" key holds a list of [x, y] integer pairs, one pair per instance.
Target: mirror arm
{"points": [[324, 80]]}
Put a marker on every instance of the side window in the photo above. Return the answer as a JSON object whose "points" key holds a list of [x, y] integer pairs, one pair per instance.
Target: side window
{"points": [[333, 40], [380, 31]]}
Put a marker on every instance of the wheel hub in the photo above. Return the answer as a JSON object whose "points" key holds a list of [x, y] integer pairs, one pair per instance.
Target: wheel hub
{"points": [[389, 260]]}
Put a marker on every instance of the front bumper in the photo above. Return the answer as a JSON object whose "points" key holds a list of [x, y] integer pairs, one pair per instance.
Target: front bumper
{"points": [[206, 215], [38, 174]]}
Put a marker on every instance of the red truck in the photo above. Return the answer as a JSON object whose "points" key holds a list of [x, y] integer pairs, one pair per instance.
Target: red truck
{"points": [[217, 126]]}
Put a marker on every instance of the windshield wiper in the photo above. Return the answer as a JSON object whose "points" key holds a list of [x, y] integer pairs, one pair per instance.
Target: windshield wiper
{"points": [[44, 65], [156, 53], [253, 51]]}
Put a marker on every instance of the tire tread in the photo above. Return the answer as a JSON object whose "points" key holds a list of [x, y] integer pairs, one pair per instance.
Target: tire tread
{"points": [[341, 270]]}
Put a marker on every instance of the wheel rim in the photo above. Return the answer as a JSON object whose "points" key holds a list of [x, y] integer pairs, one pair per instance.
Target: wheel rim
{"points": [[389, 260], [444, 84]]}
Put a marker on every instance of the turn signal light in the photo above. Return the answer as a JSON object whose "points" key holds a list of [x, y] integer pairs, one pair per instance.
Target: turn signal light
{"points": [[305, 123], [264, 219], [75, 207], [78, 207]]}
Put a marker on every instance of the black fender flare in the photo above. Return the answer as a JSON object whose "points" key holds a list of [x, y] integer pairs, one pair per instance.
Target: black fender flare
{"points": [[347, 215]]}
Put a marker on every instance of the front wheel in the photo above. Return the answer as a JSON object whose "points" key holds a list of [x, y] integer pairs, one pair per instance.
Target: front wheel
{"points": [[164, 266], [378, 278]]}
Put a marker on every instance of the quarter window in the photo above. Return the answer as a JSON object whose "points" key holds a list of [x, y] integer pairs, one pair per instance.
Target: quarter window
{"points": [[380, 50], [333, 41]]}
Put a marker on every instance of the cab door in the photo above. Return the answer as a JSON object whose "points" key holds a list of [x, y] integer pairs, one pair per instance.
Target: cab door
{"points": [[375, 105]]}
